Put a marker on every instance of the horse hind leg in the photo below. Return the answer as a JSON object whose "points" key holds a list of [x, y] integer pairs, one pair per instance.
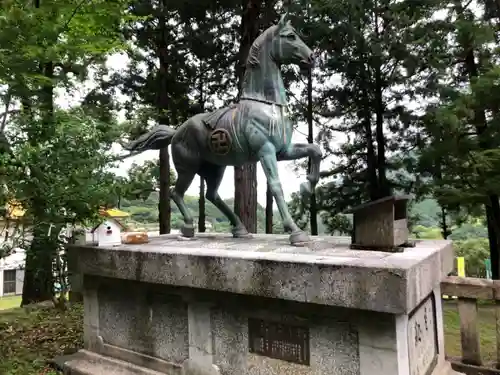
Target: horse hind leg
{"points": [[184, 179], [213, 177]]}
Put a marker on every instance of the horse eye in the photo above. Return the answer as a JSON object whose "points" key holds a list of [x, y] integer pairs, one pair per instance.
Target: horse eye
{"points": [[291, 36]]}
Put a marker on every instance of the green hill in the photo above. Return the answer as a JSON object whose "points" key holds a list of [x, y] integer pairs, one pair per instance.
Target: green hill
{"points": [[147, 211]]}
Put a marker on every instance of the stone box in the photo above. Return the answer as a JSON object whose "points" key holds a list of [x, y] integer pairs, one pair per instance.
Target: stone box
{"points": [[218, 305]]}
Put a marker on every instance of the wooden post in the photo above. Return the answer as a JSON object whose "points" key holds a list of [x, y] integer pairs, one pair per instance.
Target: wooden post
{"points": [[471, 349], [496, 296]]}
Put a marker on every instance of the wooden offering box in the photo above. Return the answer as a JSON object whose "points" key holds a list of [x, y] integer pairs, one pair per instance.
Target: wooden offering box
{"points": [[381, 224]]}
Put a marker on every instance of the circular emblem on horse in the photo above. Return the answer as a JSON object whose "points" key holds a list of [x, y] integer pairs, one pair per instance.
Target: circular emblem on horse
{"points": [[220, 142]]}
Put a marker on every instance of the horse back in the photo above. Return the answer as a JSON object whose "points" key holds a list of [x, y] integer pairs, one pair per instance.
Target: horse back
{"points": [[233, 135]]}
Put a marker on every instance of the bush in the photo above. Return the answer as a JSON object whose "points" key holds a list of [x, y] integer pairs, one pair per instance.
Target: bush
{"points": [[475, 251], [426, 233]]}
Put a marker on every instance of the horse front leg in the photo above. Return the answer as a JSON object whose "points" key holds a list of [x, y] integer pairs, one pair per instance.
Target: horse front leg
{"points": [[301, 150], [267, 157]]}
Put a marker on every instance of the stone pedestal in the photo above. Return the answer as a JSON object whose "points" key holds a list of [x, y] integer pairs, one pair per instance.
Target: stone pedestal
{"points": [[218, 305]]}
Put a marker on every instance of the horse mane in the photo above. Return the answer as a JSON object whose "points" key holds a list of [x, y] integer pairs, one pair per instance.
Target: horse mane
{"points": [[259, 42]]}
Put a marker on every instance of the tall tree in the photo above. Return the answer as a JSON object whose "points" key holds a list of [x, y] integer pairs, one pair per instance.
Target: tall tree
{"points": [[269, 210], [270, 17], [163, 85], [163, 118], [245, 177], [371, 45], [73, 36], [313, 212], [460, 150], [211, 79]]}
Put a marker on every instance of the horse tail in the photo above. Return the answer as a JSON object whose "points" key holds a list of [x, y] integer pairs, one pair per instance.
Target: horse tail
{"points": [[157, 138]]}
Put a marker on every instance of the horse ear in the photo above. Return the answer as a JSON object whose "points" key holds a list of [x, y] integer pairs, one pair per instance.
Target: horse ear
{"points": [[284, 20]]}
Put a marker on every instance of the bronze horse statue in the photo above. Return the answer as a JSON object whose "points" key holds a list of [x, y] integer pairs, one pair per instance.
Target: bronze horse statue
{"points": [[255, 129]]}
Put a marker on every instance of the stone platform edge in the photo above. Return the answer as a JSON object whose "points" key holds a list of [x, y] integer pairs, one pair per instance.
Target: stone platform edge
{"points": [[85, 362], [393, 284]]}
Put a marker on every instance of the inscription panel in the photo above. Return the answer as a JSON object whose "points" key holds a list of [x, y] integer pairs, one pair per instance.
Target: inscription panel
{"points": [[422, 338], [280, 341]]}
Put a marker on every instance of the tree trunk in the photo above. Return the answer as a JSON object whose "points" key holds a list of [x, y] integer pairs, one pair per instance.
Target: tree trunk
{"points": [[245, 177], [366, 116], [310, 139], [493, 225], [201, 208], [164, 195], [201, 201], [269, 210], [383, 185], [445, 228], [245, 195], [249, 30], [492, 206], [270, 16], [163, 106], [38, 278], [371, 163], [38, 282]]}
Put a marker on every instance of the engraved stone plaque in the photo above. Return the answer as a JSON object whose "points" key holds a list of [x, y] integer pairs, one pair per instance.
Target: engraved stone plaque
{"points": [[422, 338], [280, 341]]}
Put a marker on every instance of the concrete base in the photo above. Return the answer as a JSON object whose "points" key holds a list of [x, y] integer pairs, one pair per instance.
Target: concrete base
{"points": [[261, 307], [445, 369], [88, 363]]}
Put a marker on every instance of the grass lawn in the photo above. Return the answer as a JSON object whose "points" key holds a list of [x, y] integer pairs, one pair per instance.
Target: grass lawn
{"points": [[28, 339], [487, 331], [10, 302]]}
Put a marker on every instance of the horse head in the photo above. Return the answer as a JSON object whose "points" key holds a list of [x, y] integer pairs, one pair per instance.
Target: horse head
{"points": [[287, 47]]}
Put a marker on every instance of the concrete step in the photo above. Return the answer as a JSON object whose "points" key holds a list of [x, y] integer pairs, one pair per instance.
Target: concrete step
{"points": [[87, 363]]}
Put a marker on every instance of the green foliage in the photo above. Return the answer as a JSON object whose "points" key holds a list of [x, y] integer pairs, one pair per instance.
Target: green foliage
{"points": [[56, 167], [426, 212], [475, 251], [143, 179], [370, 46], [422, 232], [458, 157], [62, 179], [469, 231], [143, 214], [69, 34]]}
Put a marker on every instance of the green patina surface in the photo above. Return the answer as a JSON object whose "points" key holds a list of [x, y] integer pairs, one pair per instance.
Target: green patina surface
{"points": [[256, 129], [231, 138]]}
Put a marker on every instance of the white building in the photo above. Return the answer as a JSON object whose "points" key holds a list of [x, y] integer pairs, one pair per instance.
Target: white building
{"points": [[108, 233], [12, 273]]}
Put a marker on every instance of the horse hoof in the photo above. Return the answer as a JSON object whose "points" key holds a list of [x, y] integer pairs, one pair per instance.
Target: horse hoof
{"points": [[240, 232], [187, 230], [299, 238]]}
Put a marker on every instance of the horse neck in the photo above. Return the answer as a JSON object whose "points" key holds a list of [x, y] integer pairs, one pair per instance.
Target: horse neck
{"points": [[264, 82]]}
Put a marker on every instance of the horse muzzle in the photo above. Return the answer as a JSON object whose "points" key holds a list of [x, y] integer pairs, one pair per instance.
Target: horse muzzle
{"points": [[308, 62]]}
